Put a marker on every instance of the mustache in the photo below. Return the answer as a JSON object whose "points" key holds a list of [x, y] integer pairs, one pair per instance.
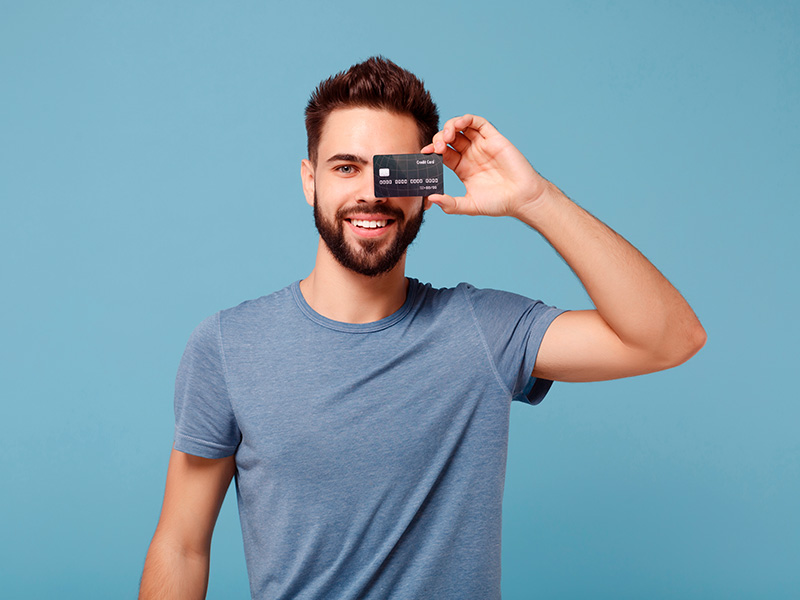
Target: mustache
{"points": [[389, 211]]}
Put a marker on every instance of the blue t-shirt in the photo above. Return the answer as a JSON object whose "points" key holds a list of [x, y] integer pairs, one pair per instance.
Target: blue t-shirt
{"points": [[370, 457]]}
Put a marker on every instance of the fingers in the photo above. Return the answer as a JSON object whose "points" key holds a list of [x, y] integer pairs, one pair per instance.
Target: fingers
{"points": [[473, 126], [459, 133], [461, 142], [451, 144], [450, 156]]}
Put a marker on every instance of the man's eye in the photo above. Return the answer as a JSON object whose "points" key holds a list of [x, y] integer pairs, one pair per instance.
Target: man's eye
{"points": [[346, 169]]}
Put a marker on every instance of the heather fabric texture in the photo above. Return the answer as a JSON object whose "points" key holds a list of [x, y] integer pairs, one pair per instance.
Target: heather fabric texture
{"points": [[370, 457]]}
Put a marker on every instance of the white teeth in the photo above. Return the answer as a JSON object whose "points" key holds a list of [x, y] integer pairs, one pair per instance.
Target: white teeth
{"points": [[368, 224]]}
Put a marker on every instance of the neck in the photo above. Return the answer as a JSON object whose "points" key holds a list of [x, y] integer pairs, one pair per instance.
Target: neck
{"points": [[343, 295]]}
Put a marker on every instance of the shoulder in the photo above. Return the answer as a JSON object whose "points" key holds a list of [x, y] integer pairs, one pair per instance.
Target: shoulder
{"points": [[431, 299], [482, 303], [465, 291], [244, 316], [493, 300], [271, 306], [462, 290]]}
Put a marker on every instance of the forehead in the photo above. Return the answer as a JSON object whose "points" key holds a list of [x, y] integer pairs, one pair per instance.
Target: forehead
{"points": [[366, 132]]}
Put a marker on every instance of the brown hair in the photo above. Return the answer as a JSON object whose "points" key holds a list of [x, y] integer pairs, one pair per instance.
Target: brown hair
{"points": [[375, 83]]}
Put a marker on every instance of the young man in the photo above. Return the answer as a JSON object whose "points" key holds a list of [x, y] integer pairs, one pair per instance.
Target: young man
{"points": [[364, 414]]}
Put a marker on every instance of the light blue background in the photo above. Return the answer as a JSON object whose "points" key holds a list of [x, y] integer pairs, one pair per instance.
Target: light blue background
{"points": [[149, 176]]}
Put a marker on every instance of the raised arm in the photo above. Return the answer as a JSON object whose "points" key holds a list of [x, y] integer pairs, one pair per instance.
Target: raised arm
{"points": [[178, 558], [641, 323]]}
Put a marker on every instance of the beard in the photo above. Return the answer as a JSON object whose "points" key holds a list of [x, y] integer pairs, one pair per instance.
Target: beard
{"points": [[369, 257]]}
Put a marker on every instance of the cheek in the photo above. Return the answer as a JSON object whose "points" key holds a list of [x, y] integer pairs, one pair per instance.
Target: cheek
{"points": [[335, 197]]}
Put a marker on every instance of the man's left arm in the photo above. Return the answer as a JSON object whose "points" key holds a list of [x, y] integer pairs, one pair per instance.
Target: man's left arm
{"points": [[640, 324]]}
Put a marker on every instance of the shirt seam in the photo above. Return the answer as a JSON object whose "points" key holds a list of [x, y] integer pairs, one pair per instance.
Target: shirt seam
{"points": [[485, 344], [202, 442], [317, 319], [225, 371]]}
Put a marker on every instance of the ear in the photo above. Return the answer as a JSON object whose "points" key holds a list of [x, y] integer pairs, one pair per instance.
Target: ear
{"points": [[307, 175]]}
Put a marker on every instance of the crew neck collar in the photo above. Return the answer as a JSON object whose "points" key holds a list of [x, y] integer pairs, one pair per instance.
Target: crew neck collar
{"points": [[395, 317]]}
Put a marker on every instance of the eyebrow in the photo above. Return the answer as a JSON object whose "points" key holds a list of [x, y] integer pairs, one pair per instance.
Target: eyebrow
{"points": [[348, 158]]}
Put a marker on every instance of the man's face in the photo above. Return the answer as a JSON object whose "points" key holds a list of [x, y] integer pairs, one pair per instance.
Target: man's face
{"points": [[365, 234]]}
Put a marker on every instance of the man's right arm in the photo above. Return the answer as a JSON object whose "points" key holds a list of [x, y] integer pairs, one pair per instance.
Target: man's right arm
{"points": [[177, 560]]}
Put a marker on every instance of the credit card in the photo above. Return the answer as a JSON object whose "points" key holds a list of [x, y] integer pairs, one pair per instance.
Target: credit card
{"points": [[403, 175]]}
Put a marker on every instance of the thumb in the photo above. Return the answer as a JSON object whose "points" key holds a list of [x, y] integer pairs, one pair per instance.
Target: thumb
{"points": [[447, 203]]}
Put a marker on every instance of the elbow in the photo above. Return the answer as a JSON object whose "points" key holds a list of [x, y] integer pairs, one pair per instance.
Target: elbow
{"points": [[700, 338], [675, 349], [696, 340], [693, 339]]}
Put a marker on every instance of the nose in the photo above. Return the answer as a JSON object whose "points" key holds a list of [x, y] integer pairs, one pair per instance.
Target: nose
{"points": [[366, 191]]}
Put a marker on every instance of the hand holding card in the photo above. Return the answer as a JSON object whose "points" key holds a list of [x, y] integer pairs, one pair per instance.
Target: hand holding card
{"points": [[498, 179]]}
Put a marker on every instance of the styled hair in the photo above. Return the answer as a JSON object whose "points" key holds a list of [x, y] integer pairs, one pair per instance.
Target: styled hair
{"points": [[375, 83]]}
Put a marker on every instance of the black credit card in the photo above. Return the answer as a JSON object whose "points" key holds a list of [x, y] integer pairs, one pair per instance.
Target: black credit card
{"points": [[403, 175]]}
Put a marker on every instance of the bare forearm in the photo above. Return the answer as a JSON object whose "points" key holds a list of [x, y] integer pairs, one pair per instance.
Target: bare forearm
{"points": [[172, 574], [642, 308]]}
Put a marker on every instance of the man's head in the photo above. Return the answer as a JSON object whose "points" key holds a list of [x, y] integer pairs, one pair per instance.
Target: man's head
{"points": [[374, 83], [373, 108]]}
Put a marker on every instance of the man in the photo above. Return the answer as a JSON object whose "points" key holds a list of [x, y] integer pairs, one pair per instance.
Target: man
{"points": [[364, 414]]}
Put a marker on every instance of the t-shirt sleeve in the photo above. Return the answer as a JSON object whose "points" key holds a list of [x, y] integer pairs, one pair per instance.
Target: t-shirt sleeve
{"points": [[513, 327], [204, 421]]}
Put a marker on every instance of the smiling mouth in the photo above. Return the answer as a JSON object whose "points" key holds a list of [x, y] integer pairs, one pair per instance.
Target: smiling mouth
{"points": [[370, 224]]}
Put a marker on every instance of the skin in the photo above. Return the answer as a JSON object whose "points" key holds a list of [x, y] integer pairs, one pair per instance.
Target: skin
{"points": [[177, 560], [640, 324], [342, 183], [370, 256]]}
